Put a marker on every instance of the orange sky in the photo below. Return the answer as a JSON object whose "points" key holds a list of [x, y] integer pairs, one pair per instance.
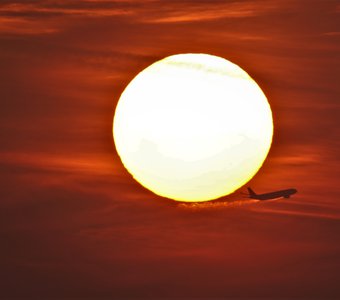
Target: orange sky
{"points": [[73, 221]]}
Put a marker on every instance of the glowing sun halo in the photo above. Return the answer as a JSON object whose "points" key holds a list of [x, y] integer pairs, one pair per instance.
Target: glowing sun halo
{"points": [[193, 127]]}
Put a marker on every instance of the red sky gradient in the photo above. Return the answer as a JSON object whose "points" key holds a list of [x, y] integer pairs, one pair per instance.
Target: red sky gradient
{"points": [[73, 222]]}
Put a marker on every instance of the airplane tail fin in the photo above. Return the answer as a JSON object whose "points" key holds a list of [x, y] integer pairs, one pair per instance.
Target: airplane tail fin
{"points": [[251, 192]]}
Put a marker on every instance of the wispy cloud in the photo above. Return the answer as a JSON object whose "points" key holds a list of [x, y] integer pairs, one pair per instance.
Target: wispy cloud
{"points": [[43, 17], [59, 163], [32, 17], [297, 213], [25, 26], [55, 8], [332, 34], [193, 12]]}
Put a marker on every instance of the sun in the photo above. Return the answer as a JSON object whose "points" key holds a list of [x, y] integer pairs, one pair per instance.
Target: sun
{"points": [[193, 127]]}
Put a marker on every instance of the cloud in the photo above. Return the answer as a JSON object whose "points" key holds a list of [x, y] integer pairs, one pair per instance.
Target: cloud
{"points": [[43, 17], [46, 17], [22, 25], [60, 163], [318, 215], [75, 223], [179, 12], [59, 8]]}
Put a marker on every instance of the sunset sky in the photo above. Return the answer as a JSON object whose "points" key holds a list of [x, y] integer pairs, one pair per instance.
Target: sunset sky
{"points": [[74, 223]]}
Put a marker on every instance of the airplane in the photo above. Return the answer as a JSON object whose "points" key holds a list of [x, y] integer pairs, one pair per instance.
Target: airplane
{"points": [[273, 195]]}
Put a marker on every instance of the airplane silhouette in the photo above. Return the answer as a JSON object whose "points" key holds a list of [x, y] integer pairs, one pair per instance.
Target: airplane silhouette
{"points": [[272, 195]]}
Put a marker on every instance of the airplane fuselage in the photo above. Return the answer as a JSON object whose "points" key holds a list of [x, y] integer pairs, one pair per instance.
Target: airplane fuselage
{"points": [[274, 195]]}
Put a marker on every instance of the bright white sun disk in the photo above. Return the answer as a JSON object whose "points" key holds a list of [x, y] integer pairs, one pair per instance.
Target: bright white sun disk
{"points": [[193, 127]]}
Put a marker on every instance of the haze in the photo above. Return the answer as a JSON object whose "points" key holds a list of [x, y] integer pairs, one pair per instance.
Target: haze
{"points": [[73, 221]]}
